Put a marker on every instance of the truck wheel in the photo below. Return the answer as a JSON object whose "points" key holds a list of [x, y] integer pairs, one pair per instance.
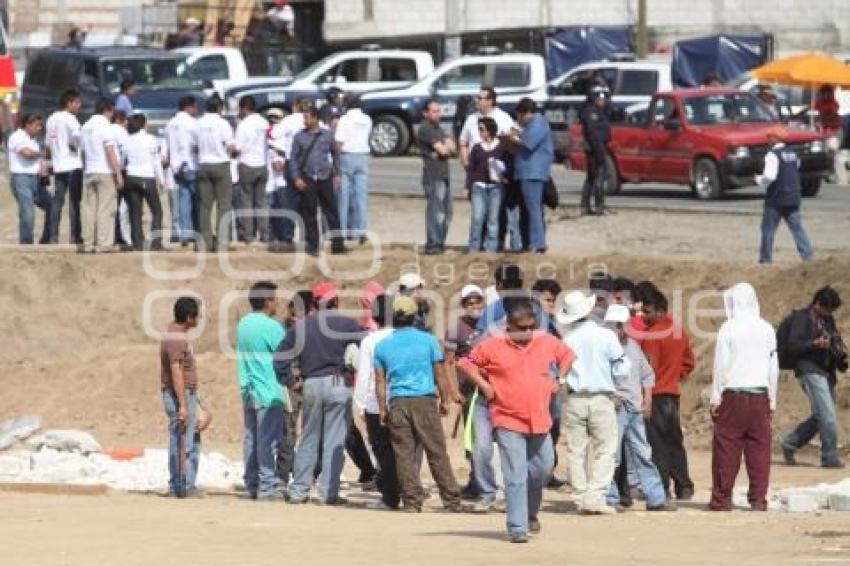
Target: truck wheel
{"points": [[707, 184], [612, 177], [390, 136], [811, 187]]}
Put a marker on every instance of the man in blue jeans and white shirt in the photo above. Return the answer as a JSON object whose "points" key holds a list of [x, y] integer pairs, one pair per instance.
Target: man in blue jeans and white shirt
{"points": [[781, 179], [183, 158], [318, 343], [352, 135], [258, 336], [633, 401]]}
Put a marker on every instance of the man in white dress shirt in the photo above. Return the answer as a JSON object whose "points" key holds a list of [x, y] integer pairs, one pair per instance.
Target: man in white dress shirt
{"points": [[215, 142], [252, 142], [63, 141], [183, 160]]}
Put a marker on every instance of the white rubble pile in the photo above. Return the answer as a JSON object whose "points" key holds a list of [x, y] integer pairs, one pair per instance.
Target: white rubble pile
{"points": [[15, 429], [65, 441], [833, 497], [147, 473]]}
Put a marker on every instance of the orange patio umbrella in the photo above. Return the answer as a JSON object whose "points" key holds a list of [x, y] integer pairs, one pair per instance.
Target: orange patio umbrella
{"points": [[807, 70]]}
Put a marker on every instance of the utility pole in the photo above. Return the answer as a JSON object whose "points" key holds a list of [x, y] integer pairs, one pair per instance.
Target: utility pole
{"points": [[642, 32], [451, 44]]}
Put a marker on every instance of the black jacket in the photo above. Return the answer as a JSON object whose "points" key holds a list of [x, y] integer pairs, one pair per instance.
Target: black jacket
{"points": [[805, 328], [596, 128]]}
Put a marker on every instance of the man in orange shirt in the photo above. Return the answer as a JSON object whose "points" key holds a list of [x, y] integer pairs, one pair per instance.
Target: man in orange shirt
{"points": [[668, 350], [518, 372]]}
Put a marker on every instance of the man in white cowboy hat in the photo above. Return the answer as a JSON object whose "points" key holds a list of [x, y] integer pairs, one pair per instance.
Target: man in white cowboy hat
{"points": [[590, 414], [412, 285]]}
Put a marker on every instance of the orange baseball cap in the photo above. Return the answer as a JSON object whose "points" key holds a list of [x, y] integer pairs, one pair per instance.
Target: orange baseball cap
{"points": [[325, 291]]}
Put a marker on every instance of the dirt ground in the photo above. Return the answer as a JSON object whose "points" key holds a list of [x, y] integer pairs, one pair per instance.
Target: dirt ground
{"points": [[75, 351]]}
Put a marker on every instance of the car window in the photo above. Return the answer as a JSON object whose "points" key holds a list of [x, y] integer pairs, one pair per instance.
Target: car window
{"points": [[210, 68], [512, 75], [462, 78], [64, 73], [663, 109], [634, 82], [725, 109], [350, 71], [397, 69], [38, 72], [148, 74], [88, 76], [579, 83]]}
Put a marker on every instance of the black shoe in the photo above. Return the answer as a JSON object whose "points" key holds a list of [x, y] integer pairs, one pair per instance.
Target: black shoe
{"points": [[555, 483], [363, 240], [433, 251], [534, 526], [685, 495], [314, 252], [340, 251], [788, 456], [469, 492], [837, 465], [518, 538]]}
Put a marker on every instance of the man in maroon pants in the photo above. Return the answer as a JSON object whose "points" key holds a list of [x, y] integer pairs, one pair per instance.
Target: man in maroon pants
{"points": [[743, 399]]}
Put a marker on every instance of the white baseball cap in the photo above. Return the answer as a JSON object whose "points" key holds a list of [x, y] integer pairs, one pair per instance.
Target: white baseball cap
{"points": [[471, 291], [618, 313], [411, 281]]}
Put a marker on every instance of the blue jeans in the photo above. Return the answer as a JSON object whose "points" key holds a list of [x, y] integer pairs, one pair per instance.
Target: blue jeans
{"points": [[30, 193], [527, 462], [482, 451], [632, 430], [820, 390], [187, 205], [324, 426], [438, 214], [532, 194], [285, 198], [70, 183], [770, 219], [486, 203], [353, 196], [263, 438], [177, 483]]}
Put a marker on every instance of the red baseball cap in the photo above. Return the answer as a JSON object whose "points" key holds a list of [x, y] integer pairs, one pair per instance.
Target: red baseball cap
{"points": [[325, 291]]}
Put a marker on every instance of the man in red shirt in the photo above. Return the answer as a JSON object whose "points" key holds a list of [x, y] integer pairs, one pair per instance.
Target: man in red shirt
{"points": [[518, 372], [668, 350]]}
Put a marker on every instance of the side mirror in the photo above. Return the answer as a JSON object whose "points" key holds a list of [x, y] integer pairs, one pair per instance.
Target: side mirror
{"points": [[672, 125]]}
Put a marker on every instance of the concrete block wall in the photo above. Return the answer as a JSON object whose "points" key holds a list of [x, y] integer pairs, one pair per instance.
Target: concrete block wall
{"points": [[796, 24]]}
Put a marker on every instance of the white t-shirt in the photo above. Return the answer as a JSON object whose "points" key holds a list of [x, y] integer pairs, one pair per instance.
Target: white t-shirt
{"points": [[121, 141], [143, 156], [180, 137], [290, 126], [19, 164], [213, 137], [252, 140], [470, 136], [96, 135], [352, 131], [62, 135]]}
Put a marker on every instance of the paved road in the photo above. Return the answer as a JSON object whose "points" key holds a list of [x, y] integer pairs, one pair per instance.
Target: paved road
{"points": [[401, 176]]}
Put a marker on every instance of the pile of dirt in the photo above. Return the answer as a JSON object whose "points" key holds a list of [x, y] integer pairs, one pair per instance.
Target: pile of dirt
{"points": [[76, 351]]}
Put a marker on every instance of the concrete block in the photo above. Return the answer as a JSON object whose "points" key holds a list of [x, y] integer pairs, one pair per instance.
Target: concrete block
{"points": [[839, 502], [801, 502]]}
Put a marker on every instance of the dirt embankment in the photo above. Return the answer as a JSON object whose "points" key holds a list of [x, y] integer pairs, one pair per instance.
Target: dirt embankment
{"points": [[76, 352]]}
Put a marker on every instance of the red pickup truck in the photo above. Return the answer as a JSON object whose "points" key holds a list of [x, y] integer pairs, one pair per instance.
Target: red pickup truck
{"points": [[713, 139]]}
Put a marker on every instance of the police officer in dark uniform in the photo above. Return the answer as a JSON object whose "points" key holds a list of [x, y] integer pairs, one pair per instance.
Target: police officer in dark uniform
{"points": [[597, 133]]}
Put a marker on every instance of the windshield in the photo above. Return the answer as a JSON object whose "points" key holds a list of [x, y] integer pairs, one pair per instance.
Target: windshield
{"points": [[726, 109], [310, 70], [148, 74]]}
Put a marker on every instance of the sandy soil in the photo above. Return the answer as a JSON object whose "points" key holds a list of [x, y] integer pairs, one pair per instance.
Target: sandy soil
{"points": [[75, 351]]}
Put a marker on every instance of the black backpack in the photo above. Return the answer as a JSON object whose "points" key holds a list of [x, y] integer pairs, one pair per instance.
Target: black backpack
{"points": [[786, 359]]}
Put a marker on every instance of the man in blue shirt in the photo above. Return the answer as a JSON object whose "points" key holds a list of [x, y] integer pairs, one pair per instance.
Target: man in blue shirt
{"points": [[124, 101], [407, 362], [532, 167]]}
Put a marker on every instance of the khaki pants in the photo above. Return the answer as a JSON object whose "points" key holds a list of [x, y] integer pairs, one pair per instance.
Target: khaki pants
{"points": [[97, 211], [591, 420], [215, 188]]}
